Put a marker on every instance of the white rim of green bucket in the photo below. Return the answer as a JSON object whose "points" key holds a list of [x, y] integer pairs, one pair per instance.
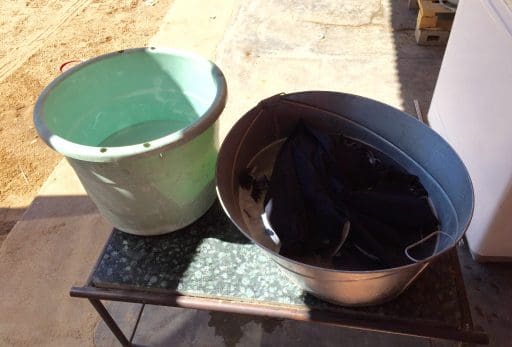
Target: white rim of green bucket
{"points": [[109, 154]]}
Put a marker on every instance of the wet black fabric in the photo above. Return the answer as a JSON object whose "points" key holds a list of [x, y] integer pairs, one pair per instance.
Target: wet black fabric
{"points": [[320, 182]]}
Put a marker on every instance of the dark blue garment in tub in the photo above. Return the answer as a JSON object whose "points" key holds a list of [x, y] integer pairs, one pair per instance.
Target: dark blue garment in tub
{"points": [[339, 202]]}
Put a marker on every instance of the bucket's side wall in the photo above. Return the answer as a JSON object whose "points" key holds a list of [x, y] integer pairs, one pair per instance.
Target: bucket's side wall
{"points": [[156, 193], [351, 288]]}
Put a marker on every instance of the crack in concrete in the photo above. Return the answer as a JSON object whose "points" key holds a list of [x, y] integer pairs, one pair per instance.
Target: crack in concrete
{"points": [[377, 13], [369, 24]]}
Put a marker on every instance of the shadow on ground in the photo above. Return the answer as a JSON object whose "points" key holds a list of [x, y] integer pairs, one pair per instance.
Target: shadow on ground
{"points": [[417, 66], [54, 207]]}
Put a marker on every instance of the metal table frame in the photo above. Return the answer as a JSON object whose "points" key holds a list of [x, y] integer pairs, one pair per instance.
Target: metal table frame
{"points": [[358, 321]]}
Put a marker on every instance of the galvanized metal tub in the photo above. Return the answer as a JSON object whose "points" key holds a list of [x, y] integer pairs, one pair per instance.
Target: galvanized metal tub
{"points": [[139, 127], [404, 139]]}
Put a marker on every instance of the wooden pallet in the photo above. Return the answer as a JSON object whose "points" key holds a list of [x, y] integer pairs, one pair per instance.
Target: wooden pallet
{"points": [[434, 23], [433, 15], [431, 37]]}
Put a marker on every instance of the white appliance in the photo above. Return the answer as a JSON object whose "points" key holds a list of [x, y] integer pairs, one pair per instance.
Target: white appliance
{"points": [[472, 109]]}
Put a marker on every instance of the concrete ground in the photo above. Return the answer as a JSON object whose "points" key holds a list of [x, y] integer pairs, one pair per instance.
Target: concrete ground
{"points": [[364, 47]]}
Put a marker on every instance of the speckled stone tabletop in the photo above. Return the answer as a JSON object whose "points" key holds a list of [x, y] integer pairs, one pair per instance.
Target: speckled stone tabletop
{"points": [[212, 259]]}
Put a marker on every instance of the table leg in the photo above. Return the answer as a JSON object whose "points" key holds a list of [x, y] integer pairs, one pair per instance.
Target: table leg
{"points": [[107, 318]]}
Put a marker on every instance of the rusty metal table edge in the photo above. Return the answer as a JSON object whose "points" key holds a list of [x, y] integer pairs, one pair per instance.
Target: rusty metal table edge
{"points": [[357, 321]]}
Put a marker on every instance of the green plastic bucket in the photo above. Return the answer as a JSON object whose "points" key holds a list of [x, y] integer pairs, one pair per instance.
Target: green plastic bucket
{"points": [[139, 127]]}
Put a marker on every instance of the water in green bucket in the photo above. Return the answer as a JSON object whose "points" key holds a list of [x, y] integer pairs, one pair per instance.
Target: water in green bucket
{"points": [[127, 100]]}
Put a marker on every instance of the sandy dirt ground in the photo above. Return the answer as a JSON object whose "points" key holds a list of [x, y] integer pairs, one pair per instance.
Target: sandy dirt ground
{"points": [[36, 37]]}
